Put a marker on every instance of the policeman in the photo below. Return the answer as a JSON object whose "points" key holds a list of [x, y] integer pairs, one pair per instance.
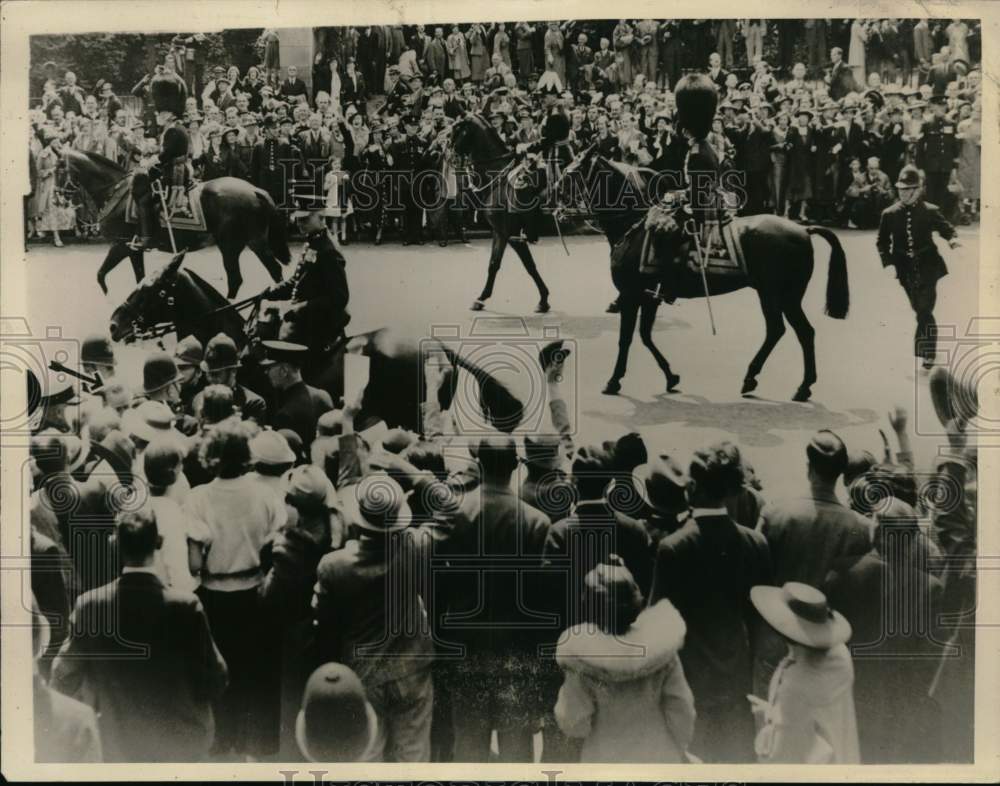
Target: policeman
{"points": [[318, 290], [937, 153], [297, 406], [408, 158], [905, 245], [221, 365]]}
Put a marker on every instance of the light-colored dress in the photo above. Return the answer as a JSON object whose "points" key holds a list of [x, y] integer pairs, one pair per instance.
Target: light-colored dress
{"points": [[338, 204], [458, 56], [554, 42], [970, 159], [958, 41], [810, 717], [856, 52], [501, 46], [48, 208]]}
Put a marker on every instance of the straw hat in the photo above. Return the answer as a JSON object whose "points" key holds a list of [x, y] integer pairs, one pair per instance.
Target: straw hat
{"points": [[801, 613]]}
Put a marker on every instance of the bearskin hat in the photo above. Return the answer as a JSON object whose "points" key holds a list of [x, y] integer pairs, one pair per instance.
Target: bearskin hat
{"points": [[169, 93], [556, 128], [175, 143], [697, 99]]}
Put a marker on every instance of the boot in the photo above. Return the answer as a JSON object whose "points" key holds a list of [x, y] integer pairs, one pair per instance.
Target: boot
{"points": [[147, 222]]}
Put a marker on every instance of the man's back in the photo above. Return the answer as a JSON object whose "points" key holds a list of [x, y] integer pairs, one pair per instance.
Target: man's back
{"points": [[706, 569], [143, 657], [811, 536]]}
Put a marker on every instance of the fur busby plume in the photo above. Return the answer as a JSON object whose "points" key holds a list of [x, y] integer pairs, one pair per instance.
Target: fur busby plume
{"points": [[556, 129], [169, 93], [697, 99]]}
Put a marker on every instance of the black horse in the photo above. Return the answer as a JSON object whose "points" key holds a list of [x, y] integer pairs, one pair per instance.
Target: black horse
{"points": [[175, 300], [508, 208], [237, 215], [778, 254]]}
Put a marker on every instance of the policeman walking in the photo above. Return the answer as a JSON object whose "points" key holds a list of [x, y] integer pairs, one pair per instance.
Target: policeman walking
{"points": [[905, 244]]}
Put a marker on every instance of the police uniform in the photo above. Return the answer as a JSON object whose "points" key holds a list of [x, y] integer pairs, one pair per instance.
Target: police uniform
{"points": [[408, 157], [319, 295], [268, 165], [299, 406], [905, 240], [936, 154]]}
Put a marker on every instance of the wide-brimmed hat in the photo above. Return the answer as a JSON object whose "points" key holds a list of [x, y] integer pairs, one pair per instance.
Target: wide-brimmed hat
{"points": [[382, 504], [659, 481], [158, 372], [269, 447], [801, 613], [149, 420]]}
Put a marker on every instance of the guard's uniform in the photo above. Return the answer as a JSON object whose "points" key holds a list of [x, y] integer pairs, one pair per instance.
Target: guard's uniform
{"points": [[408, 158], [319, 295], [937, 151], [905, 240], [701, 171]]}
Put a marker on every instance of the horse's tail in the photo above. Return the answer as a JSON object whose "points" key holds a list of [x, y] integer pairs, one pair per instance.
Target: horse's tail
{"points": [[838, 297], [277, 239]]}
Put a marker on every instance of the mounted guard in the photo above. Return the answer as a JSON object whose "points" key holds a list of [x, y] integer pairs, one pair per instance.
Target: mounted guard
{"points": [[166, 181]]}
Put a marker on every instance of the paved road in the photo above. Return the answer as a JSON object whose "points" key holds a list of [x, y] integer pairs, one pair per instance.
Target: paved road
{"points": [[864, 362]]}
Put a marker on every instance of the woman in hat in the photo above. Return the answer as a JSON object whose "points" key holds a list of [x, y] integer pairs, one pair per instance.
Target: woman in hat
{"points": [[970, 133], [50, 213], [458, 55], [625, 707], [809, 715], [779, 162]]}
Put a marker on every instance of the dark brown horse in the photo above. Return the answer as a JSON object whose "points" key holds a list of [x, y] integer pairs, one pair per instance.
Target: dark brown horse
{"points": [[237, 215], [508, 209], [778, 254], [175, 300]]}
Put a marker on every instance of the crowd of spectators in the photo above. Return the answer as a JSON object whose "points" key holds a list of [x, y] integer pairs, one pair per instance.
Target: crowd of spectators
{"points": [[820, 140], [292, 582]]}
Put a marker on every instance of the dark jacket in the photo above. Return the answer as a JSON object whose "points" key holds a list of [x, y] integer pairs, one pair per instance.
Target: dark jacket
{"points": [[298, 408], [937, 147], [706, 569], [905, 239], [269, 163], [369, 613], [292, 88], [151, 677]]}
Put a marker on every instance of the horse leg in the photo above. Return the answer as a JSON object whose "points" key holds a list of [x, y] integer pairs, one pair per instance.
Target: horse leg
{"points": [[138, 260], [116, 254], [231, 263], [267, 259], [496, 257], [775, 330], [521, 249], [805, 333], [626, 327], [646, 319]]}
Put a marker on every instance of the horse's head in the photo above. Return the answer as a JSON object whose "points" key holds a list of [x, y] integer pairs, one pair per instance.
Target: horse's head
{"points": [[95, 173], [462, 135], [473, 136], [150, 303]]}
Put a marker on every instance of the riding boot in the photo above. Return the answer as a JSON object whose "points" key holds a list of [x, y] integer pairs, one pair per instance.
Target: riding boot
{"points": [[147, 224]]}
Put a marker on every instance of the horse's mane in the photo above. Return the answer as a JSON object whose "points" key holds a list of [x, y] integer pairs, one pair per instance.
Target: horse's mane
{"points": [[483, 124], [100, 160], [204, 286]]}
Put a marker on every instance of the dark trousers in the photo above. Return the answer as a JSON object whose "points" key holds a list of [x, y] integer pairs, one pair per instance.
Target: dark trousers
{"points": [[247, 714], [936, 186], [412, 214], [923, 297], [757, 193], [449, 215]]}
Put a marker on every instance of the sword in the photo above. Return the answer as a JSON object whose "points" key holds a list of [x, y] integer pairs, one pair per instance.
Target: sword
{"points": [[157, 189], [702, 264]]}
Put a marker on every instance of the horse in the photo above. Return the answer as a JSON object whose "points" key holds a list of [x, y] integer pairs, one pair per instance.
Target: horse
{"points": [[472, 136], [779, 265], [176, 300], [237, 215]]}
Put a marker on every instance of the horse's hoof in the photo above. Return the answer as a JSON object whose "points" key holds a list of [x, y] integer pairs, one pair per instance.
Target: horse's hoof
{"points": [[477, 305], [673, 380], [802, 394], [749, 386], [612, 388], [613, 307], [543, 307]]}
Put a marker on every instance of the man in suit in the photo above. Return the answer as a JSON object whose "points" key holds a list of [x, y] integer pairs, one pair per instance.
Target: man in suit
{"points": [[905, 243], [436, 56], [809, 536], [706, 569], [293, 86], [297, 406], [154, 673], [841, 79], [717, 73], [495, 683], [315, 141]]}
